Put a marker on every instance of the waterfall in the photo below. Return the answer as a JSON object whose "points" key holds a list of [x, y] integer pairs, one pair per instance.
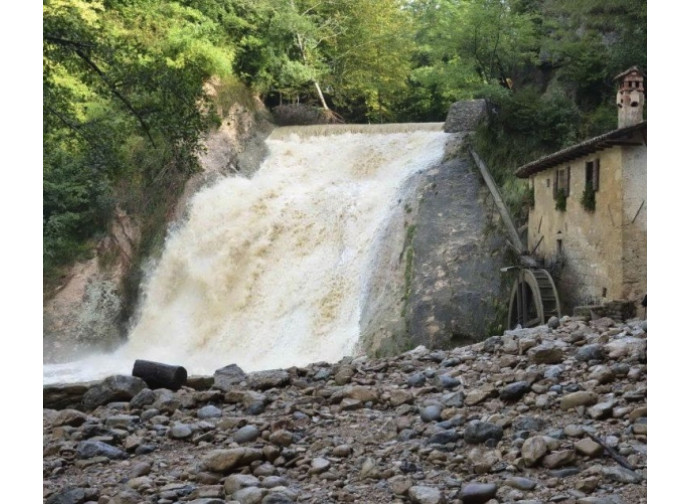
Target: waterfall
{"points": [[272, 271]]}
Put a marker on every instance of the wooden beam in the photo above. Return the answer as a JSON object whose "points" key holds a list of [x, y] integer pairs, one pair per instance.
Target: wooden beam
{"points": [[500, 205]]}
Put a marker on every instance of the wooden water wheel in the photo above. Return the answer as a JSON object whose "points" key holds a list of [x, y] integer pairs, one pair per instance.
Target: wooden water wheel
{"points": [[533, 299]]}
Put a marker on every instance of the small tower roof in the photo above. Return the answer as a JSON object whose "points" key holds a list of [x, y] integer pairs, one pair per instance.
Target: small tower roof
{"points": [[629, 70]]}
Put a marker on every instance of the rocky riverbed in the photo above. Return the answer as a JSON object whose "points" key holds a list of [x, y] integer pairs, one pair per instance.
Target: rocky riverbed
{"points": [[556, 413]]}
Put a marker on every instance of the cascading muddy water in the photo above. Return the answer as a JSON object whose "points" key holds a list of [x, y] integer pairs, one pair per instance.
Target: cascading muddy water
{"points": [[271, 271]]}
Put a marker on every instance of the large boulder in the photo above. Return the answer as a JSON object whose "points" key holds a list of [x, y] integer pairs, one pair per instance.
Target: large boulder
{"points": [[113, 388]]}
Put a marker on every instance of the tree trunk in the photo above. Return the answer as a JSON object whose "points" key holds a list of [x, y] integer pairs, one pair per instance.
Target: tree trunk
{"points": [[158, 375]]}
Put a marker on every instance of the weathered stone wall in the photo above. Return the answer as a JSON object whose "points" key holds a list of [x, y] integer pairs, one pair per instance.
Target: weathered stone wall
{"points": [[595, 253], [634, 223]]}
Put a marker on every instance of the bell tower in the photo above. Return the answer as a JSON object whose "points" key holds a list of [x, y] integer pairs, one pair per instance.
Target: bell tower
{"points": [[630, 97]]}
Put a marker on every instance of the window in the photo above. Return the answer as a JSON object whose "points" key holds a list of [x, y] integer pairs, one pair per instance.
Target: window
{"points": [[592, 174], [562, 181]]}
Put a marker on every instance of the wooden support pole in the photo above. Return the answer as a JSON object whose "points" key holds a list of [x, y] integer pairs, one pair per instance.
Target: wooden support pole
{"points": [[502, 209]]}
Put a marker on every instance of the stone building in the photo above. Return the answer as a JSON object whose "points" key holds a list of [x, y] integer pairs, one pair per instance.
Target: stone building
{"points": [[588, 222]]}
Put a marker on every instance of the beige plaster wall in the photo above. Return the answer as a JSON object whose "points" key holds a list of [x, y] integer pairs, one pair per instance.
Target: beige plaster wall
{"points": [[634, 222], [592, 242]]}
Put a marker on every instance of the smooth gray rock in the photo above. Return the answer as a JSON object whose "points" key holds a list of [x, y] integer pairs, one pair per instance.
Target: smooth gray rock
{"points": [[478, 432], [425, 495], [89, 449], [209, 411], [224, 460], [246, 434], [521, 483], [445, 436], [271, 378], [447, 382], [249, 495], [228, 377], [529, 423], [533, 449], [113, 388], [277, 498], [181, 431], [143, 398], [594, 351], [72, 496], [319, 465], [478, 493], [621, 474], [235, 482], [514, 391], [416, 380], [431, 413]]}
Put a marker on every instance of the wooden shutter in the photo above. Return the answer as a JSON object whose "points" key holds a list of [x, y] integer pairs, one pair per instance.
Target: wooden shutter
{"points": [[595, 175], [567, 181], [555, 184]]}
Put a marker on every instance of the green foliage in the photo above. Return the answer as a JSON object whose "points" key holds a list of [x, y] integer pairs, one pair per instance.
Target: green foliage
{"points": [[561, 200], [530, 197], [588, 199], [124, 102], [119, 77]]}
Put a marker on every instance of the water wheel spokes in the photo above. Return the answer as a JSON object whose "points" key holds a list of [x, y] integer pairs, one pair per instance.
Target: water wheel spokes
{"points": [[533, 299]]}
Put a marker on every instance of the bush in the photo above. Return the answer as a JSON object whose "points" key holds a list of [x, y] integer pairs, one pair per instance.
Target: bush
{"points": [[561, 200], [588, 199]]}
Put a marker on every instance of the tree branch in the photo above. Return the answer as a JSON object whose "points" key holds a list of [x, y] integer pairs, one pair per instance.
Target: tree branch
{"points": [[77, 48]]}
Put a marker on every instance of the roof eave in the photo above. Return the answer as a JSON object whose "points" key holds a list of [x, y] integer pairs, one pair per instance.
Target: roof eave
{"points": [[612, 138]]}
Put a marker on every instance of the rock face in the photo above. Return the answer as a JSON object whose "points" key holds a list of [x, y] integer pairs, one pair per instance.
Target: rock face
{"points": [[437, 281], [316, 440], [464, 116]]}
